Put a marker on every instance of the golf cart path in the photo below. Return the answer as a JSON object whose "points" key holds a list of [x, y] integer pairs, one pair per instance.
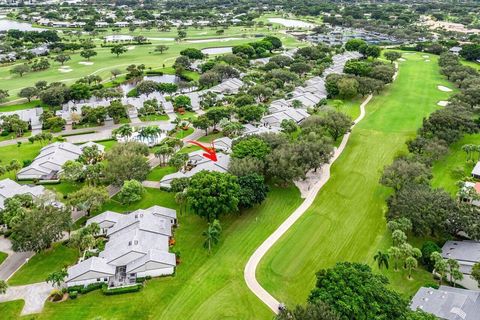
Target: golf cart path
{"points": [[249, 273]]}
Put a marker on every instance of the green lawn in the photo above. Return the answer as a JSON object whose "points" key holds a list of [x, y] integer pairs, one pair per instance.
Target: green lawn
{"points": [[454, 167], [11, 309], [159, 172], [13, 135], [43, 263], [349, 107], [64, 188], [346, 221], [154, 117], [3, 256], [150, 198], [26, 151], [184, 133]]}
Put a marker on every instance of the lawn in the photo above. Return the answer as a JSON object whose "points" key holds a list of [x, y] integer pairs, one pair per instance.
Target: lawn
{"points": [[154, 117], [11, 309], [3, 256], [180, 134], [159, 172], [26, 151], [43, 263], [150, 198], [205, 286], [454, 167], [346, 221]]}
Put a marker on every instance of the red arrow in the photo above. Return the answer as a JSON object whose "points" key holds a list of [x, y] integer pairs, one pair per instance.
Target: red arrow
{"points": [[211, 154]]}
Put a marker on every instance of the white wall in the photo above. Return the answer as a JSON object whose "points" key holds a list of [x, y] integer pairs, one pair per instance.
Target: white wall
{"points": [[156, 272]]}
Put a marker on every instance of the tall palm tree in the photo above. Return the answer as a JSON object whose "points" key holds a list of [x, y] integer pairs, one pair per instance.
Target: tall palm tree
{"points": [[411, 263], [382, 259], [3, 286], [212, 235], [396, 254], [125, 130]]}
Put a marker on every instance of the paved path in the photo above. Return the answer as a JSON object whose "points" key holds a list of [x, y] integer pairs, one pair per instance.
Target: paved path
{"points": [[34, 296], [14, 260], [249, 272]]}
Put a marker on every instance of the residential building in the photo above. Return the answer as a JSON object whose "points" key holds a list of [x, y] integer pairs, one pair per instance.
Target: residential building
{"points": [[32, 116], [137, 247], [455, 50], [466, 252], [448, 303], [288, 113], [476, 171], [10, 188], [470, 189], [48, 164]]}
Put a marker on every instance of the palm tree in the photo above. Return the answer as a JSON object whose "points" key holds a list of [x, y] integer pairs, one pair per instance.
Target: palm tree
{"points": [[411, 263], [181, 200], [468, 148], [56, 278], [382, 259], [150, 132], [125, 130], [396, 253], [212, 235], [163, 153]]}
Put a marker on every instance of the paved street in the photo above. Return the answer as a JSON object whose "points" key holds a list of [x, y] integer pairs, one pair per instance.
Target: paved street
{"points": [[14, 260]]}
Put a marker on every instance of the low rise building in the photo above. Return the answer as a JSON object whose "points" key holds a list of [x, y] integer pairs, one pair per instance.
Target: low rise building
{"points": [[10, 188]]}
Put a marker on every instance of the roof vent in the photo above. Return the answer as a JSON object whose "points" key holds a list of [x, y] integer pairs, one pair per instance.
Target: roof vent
{"points": [[459, 312]]}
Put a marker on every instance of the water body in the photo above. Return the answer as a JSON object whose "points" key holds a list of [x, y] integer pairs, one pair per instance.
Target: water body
{"points": [[213, 40], [6, 25], [292, 23], [218, 50]]}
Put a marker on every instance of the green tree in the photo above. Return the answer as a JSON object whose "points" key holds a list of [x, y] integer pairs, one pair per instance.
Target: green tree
{"points": [[72, 171], [88, 53], [3, 286], [62, 58], [212, 194], [382, 259], [475, 273], [192, 53], [216, 115], [20, 69], [127, 161], [56, 278], [124, 131], [392, 55], [250, 147], [203, 123], [212, 235], [253, 190], [411, 264], [118, 50], [161, 48], [89, 198], [28, 93], [312, 311], [132, 191]]}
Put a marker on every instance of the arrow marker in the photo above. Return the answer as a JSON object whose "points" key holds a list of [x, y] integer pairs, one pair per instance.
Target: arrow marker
{"points": [[210, 151]]}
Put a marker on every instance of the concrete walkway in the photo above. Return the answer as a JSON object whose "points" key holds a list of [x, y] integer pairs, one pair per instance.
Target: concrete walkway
{"points": [[249, 272], [34, 296], [14, 260]]}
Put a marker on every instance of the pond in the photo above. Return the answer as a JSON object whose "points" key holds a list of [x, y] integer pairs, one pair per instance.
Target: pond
{"points": [[292, 23], [213, 40], [6, 25], [166, 78], [118, 37], [217, 50]]}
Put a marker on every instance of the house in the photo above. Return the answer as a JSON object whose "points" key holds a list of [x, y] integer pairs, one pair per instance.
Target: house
{"points": [[230, 86], [275, 119], [467, 253], [32, 116], [469, 190], [48, 164], [476, 171], [137, 247], [224, 144], [196, 163], [455, 50], [101, 24], [10, 188], [448, 303]]}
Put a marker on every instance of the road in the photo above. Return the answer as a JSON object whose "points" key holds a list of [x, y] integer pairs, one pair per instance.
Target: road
{"points": [[249, 272]]}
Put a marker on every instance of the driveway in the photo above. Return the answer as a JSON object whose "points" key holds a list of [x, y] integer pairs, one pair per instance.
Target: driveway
{"points": [[34, 296], [14, 260]]}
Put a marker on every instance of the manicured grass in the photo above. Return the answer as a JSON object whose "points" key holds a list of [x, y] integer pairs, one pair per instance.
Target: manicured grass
{"points": [[347, 222], [187, 115], [108, 144], [349, 107], [184, 133], [13, 135], [205, 286], [3, 256], [64, 188], [42, 264], [11, 309], [154, 117], [26, 151], [159, 172], [150, 198], [445, 170], [21, 106]]}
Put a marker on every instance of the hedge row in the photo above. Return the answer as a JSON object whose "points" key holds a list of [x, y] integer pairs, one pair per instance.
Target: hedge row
{"points": [[114, 291]]}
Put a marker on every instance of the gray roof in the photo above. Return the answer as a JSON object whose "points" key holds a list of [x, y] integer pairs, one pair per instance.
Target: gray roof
{"points": [[95, 264], [476, 170], [448, 303], [109, 216], [467, 253], [10, 188]]}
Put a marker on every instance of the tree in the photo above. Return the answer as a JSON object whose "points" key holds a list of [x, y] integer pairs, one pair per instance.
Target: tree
{"points": [[475, 273], [89, 199], [403, 171], [253, 113], [4, 94], [354, 44], [13, 123], [279, 164], [182, 101], [115, 72], [3, 286], [39, 227], [245, 166], [117, 110], [337, 123], [212, 235], [88, 53], [212, 194], [161, 48], [147, 87], [178, 160], [164, 152], [62, 58], [54, 95], [127, 161], [216, 115], [354, 292], [253, 190], [250, 147], [132, 191], [470, 52], [20, 69], [300, 68], [347, 88], [28, 93], [181, 34], [124, 131], [289, 126], [428, 248], [373, 51], [260, 92], [231, 129], [56, 278], [312, 311], [118, 50], [441, 265], [203, 123], [410, 264], [392, 55], [454, 271], [382, 259], [192, 53], [72, 171]]}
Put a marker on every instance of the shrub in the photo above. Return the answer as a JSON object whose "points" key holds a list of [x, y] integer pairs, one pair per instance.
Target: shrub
{"points": [[154, 73], [74, 288], [73, 294], [132, 93], [56, 295], [91, 287], [121, 290], [428, 248]]}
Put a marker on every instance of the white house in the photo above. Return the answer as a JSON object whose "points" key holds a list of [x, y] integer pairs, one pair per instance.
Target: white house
{"points": [[476, 171], [275, 119], [32, 116], [137, 247], [10, 188], [48, 164]]}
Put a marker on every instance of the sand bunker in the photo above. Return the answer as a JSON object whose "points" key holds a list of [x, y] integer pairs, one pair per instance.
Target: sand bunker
{"points": [[130, 47], [86, 63], [425, 56], [444, 89], [401, 59], [65, 70], [442, 103], [427, 60]]}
